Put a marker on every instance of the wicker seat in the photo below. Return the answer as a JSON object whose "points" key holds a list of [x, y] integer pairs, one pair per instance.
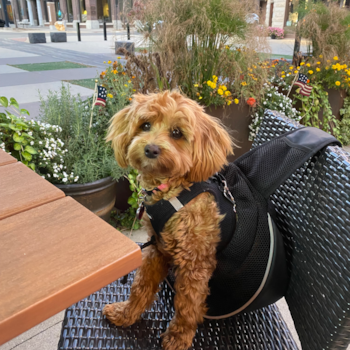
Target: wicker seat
{"points": [[313, 208]]}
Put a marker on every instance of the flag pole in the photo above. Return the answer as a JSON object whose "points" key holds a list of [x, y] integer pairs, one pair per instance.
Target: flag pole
{"points": [[93, 105], [291, 86]]}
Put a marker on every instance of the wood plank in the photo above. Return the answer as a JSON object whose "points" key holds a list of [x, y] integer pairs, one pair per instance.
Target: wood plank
{"points": [[22, 189], [53, 256], [6, 158]]}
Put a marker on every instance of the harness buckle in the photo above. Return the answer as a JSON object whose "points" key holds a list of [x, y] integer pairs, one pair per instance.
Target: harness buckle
{"points": [[222, 183]]}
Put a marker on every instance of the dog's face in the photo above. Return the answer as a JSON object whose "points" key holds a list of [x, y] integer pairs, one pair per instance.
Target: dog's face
{"points": [[166, 135]]}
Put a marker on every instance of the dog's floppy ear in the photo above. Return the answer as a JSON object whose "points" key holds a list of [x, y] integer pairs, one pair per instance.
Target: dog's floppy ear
{"points": [[119, 135], [211, 146]]}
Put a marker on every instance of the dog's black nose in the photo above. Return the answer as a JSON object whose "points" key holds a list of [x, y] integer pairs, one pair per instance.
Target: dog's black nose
{"points": [[152, 151]]}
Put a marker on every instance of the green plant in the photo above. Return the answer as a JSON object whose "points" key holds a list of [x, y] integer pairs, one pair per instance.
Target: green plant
{"points": [[87, 157], [344, 125], [128, 218], [315, 103], [194, 40], [327, 25], [276, 101], [16, 137]]}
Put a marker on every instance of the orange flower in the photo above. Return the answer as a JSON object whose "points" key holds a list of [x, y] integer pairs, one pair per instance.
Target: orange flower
{"points": [[130, 99], [133, 77], [308, 81], [251, 102]]}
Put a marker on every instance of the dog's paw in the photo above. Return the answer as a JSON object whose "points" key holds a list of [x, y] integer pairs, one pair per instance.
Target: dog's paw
{"points": [[120, 314], [172, 340]]}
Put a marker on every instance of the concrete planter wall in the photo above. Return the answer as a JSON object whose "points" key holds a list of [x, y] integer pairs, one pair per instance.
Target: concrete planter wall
{"points": [[237, 119]]}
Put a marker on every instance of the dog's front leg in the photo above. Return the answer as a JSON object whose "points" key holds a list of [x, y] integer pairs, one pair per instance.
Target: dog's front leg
{"points": [[191, 287], [153, 270]]}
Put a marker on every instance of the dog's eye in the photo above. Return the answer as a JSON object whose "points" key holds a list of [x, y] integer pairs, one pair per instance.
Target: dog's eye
{"points": [[146, 126], [176, 134]]}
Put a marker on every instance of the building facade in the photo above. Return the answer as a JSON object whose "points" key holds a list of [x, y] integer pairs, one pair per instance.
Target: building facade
{"points": [[90, 13]]}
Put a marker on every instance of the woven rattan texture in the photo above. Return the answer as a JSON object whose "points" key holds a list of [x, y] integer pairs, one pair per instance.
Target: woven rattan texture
{"points": [[313, 208], [84, 326]]}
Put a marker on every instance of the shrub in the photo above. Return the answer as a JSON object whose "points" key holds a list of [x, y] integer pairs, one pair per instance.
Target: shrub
{"points": [[279, 32], [328, 28]]}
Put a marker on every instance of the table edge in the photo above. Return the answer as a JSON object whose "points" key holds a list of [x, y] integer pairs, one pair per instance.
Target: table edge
{"points": [[50, 306]]}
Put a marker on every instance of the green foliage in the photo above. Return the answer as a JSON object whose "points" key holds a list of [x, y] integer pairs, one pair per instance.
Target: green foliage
{"points": [[128, 219], [312, 105], [87, 157], [15, 134], [327, 26], [275, 101], [344, 126]]}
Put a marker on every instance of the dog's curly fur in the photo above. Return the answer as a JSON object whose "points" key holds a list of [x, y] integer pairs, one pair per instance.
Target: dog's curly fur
{"points": [[189, 239]]}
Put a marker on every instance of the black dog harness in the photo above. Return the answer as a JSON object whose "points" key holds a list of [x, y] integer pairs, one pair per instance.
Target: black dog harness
{"points": [[251, 269]]}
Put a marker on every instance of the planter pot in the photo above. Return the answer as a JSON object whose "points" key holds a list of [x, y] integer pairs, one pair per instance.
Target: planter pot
{"points": [[123, 193], [98, 196], [273, 36], [237, 119]]}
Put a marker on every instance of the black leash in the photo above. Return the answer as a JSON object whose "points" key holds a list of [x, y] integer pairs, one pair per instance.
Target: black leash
{"points": [[145, 245]]}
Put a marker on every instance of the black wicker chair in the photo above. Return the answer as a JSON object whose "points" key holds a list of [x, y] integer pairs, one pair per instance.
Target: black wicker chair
{"points": [[313, 208]]}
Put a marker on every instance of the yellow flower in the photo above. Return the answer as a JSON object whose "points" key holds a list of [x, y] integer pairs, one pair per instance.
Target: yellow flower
{"points": [[109, 62], [195, 85], [311, 72], [236, 101], [283, 76], [227, 93], [214, 76], [291, 68], [335, 58], [318, 62], [133, 90], [213, 85], [307, 64], [200, 97], [119, 58], [320, 56], [302, 63], [209, 82], [337, 83], [327, 67], [109, 95], [115, 71], [318, 69], [243, 83], [296, 72], [129, 81], [104, 61], [298, 68], [220, 92], [328, 61], [229, 102], [126, 85], [224, 88], [227, 47], [283, 72]]}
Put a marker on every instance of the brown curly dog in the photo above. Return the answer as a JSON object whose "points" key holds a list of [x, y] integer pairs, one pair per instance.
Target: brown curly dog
{"points": [[171, 142]]}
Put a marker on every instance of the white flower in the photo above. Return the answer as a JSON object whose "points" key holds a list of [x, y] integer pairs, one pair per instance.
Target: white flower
{"points": [[43, 177], [31, 143], [64, 179]]}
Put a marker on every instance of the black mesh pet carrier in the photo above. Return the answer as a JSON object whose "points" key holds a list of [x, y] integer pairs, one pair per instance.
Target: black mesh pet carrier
{"points": [[251, 267]]}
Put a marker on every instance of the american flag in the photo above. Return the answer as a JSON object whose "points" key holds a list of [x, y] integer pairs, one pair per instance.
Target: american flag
{"points": [[101, 96], [302, 83]]}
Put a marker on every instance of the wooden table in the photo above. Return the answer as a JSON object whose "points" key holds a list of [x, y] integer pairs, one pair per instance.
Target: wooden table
{"points": [[53, 251]]}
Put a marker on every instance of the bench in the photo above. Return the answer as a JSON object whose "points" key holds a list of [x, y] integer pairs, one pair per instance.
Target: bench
{"points": [[24, 23], [313, 208]]}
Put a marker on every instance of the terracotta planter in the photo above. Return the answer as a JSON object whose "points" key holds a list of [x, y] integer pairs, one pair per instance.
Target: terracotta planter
{"points": [[98, 196], [237, 119]]}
